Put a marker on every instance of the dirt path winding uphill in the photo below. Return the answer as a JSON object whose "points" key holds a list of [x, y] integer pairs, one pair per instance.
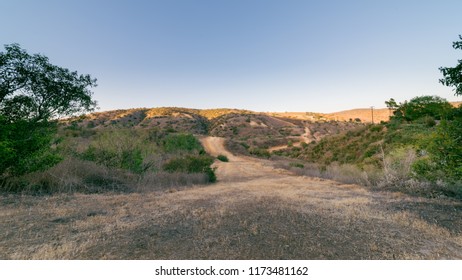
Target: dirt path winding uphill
{"points": [[254, 211], [239, 168]]}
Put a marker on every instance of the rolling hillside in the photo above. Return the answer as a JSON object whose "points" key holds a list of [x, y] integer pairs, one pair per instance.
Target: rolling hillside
{"points": [[241, 127]]}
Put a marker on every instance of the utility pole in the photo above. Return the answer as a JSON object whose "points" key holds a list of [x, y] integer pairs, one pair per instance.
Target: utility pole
{"points": [[372, 113]]}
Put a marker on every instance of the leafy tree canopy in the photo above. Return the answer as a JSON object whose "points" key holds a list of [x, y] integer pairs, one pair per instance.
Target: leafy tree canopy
{"points": [[452, 76], [422, 106], [33, 92], [31, 88]]}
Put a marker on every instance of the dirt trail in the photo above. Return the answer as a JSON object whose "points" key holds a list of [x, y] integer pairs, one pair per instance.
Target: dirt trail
{"points": [[392, 220], [305, 138], [254, 211], [238, 168]]}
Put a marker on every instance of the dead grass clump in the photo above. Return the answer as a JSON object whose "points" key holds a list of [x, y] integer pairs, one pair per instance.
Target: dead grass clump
{"points": [[397, 167], [80, 176], [395, 174], [166, 181], [345, 173], [73, 175], [308, 169]]}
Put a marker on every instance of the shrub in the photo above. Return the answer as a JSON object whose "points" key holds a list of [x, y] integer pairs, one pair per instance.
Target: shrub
{"points": [[259, 152], [189, 164], [210, 172], [192, 164], [70, 176], [397, 166], [119, 148], [444, 147], [296, 164], [222, 158], [25, 147], [425, 168], [181, 142], [427, 121], [345, 173]]}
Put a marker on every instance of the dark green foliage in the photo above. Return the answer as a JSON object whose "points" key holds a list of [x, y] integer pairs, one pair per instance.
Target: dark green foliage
{"points": [[423, 107], [444, 146], [259, 152], [24, 146], [192, 164], [210, 172], [120, 148], [181, 142], [296, 164], [189, 163], [33, 92], [452, 76], [127, 159], [34, 89], [222, 158], [428, 121]]}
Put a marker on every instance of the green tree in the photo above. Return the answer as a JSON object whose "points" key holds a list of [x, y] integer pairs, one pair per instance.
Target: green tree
{"points": [[33, 94], [452, 76], [31, 88], [391, 105], [423, 106]]}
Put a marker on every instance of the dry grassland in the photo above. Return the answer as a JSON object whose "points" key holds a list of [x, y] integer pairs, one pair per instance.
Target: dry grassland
{"points": [[253, 212]]}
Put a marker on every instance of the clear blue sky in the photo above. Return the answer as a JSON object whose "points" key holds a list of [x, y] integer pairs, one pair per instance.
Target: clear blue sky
{"points": [[262, 55]]}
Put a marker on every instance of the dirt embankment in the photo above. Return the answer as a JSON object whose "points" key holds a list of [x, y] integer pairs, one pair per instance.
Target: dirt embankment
{"points": [[254, 211]]}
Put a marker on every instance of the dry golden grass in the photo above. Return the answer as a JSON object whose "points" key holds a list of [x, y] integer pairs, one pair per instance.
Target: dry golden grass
{"points": [[365, 115], [254, 212]]}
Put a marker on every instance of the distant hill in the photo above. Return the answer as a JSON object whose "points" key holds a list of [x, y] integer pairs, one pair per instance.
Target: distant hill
{"points": [[354, 115], [245, 128], [366, 115], [187, 119], [164, 118], [248, 131]]}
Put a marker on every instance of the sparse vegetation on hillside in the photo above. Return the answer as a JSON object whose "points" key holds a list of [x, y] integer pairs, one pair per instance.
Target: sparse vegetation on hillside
{"points": [[420, 146], [119, 159], [348, 147]]}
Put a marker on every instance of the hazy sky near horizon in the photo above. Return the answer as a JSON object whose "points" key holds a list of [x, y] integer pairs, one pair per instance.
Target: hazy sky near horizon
{"points": [[262, 55]]}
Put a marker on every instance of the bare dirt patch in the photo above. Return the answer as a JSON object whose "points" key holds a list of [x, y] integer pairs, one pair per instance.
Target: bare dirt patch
{"points": [[255, 211]]}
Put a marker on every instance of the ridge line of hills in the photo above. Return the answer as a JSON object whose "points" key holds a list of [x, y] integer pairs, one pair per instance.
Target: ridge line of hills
{"points": [[364, 115]]}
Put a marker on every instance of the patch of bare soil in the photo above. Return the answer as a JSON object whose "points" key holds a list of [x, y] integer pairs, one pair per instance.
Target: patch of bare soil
{"points": [[254, 212]]}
